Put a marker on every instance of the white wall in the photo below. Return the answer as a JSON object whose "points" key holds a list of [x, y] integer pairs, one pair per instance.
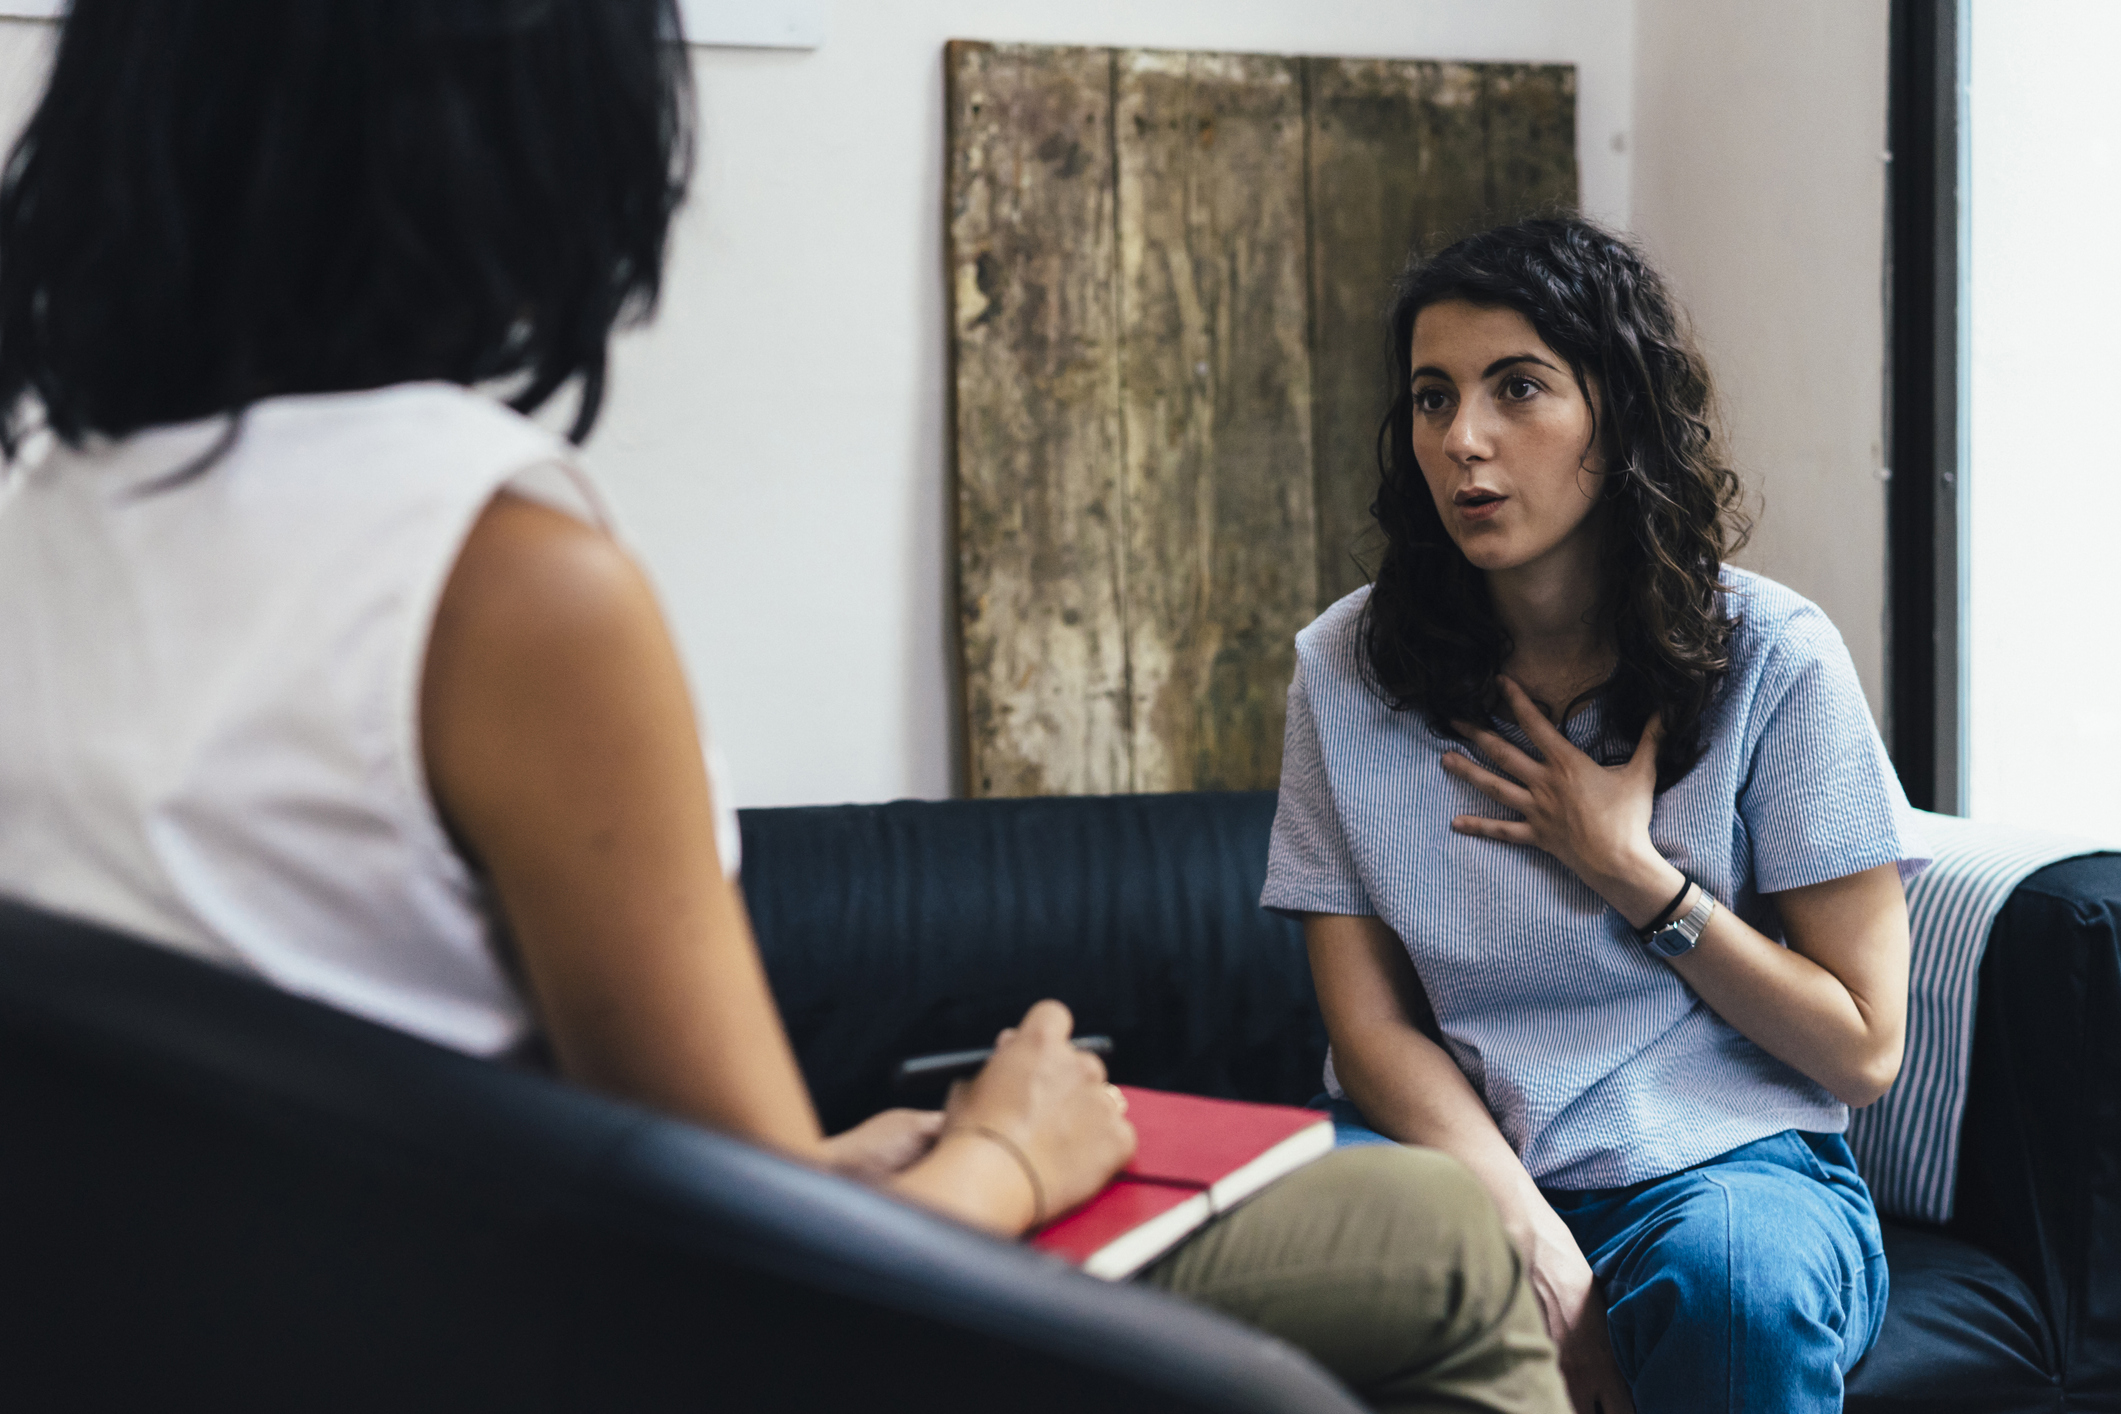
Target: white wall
{"points": [[776, 442], [2044, 478], [25, 49], [1760, 187]]}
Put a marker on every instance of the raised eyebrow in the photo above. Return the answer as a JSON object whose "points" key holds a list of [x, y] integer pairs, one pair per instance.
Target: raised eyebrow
{"points": [[1430, 370], [1501, 363]]}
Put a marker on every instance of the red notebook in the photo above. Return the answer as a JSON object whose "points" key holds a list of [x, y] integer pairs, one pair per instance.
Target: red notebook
{"points": [[1196, 1158]]}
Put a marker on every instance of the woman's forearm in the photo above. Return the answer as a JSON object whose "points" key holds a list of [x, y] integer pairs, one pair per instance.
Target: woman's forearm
{"points": [[1793, 1009], [1832, 1004], [972, 1180], [1406, 1085], [1410, 1089]]}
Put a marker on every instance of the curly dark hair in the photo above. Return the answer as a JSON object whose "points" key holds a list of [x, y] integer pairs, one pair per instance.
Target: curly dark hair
{"points": [[1432, 640]]}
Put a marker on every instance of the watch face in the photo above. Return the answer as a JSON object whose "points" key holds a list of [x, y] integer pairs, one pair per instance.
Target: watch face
{"points": [[1669, 941]]}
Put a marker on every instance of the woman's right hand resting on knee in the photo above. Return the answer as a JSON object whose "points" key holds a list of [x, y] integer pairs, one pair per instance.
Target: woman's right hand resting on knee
{"points": [[563, 753], [1573, 1305], [1410, 1089]]}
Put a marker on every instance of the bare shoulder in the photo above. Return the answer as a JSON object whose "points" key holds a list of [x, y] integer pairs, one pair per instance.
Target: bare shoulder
{"points": [[533, 578], [563, 753], [550, 682]]}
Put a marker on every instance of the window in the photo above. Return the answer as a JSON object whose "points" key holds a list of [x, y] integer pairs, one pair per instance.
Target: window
{"points": [[2043, 588], [2006, 498]]}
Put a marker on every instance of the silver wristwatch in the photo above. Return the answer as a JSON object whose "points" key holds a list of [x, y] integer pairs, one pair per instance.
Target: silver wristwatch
{"points": [[1678, 937]]}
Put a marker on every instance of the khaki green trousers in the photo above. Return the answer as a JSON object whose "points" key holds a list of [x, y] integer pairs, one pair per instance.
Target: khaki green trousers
{"points": [[1389, 1267]]}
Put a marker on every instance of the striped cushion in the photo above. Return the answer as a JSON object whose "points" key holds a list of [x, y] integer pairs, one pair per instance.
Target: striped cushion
{"points": [[1907, 1144]]}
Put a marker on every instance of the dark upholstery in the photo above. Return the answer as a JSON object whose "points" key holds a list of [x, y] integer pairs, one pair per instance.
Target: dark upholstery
{"points": [[2041, 1186], [1963, 1335], [896, 929], [217, 1196], [2017, 1305]]}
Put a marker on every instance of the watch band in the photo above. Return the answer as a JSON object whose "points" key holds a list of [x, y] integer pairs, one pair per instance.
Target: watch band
{"points": [[1664, 915], [1679, 937]]}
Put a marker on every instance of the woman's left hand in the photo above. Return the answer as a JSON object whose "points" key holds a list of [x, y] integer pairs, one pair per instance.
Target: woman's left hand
{"points": [[1593, 818], [883, 1144]]}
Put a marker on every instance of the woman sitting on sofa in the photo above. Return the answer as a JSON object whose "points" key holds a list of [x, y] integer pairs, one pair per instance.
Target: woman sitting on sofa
{"points": [[1599, 855], [322, 663]]}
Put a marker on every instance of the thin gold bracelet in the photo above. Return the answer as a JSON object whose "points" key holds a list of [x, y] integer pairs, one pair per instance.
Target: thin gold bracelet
{"points": [[1023, 1161]]}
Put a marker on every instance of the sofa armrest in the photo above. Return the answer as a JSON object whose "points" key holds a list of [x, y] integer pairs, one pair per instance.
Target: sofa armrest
{"points": [[2040, 1156]]}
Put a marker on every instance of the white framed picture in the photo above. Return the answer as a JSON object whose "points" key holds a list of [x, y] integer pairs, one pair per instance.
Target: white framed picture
{"points": [[745, 24], [755, 24]]}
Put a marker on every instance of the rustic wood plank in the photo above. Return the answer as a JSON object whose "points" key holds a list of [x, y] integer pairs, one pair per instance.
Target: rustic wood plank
{"points": [[1167, 272], [1034, 346], [1398, 161], [1530, 114], [1215, 385], [1406, 155]]}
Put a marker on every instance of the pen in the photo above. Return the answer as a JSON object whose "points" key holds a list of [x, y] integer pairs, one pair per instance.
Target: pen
{"points": [[946, 1066]]}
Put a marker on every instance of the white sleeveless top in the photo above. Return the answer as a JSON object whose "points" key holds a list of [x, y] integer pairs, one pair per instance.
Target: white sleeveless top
{"points": [[209, 695]]}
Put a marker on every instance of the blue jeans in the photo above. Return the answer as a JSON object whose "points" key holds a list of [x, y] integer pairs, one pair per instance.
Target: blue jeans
{"points": [[1754, 1281]]}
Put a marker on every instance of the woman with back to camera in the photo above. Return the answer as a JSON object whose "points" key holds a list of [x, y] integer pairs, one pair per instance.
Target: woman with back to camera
{"points": [[323, 665], [1598, 853]]}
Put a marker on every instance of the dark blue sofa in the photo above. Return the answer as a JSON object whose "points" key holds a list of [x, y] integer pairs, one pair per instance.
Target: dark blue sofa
{"points": [[215, 1195], [907, 927]]}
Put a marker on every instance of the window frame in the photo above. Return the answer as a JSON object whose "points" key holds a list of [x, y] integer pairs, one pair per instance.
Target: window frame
{"points": [[1927, 233]]}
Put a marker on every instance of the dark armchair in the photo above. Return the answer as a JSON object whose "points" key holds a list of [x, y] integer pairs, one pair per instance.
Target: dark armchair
{"points": [[217, 1196]]}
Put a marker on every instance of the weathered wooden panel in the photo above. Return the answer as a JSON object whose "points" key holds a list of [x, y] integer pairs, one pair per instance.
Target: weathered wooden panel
{"points": [[1035, 350], [1215, 397], [1531, 121], [1167, 272], [1398, 159], [1406, 155]]}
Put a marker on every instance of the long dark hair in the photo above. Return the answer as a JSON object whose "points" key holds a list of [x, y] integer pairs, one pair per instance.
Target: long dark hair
{"points": [[1672, 509], [219, 201]]}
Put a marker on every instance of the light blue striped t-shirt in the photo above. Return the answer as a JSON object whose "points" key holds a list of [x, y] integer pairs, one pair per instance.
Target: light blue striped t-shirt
{"points": [[1600, 1066]]}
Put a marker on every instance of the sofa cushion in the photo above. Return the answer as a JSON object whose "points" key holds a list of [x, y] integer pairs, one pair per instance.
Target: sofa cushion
{"points": [[1962, 1333], [893, 930], [2040, 1168]]}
